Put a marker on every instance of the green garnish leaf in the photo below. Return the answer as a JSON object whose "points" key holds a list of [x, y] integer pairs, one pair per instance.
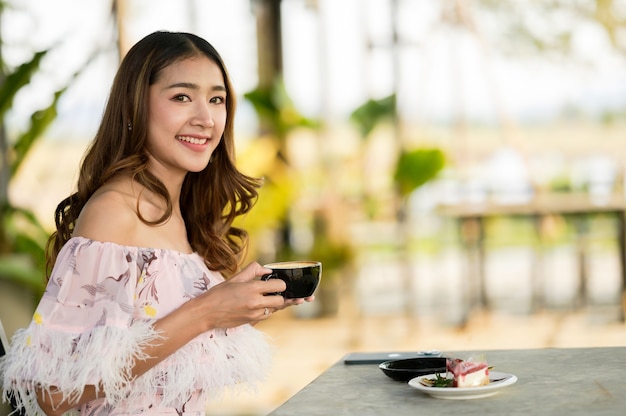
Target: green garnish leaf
{"points": [[438, 381]]}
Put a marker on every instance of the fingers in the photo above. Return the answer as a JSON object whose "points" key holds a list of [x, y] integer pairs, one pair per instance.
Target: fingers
{"points": [[292, 302], [299, 301], [251, 272], [273, 287], [278, 303]]}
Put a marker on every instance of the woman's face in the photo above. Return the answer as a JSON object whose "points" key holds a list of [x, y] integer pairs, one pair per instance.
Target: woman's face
{"points": [[187, 115]]}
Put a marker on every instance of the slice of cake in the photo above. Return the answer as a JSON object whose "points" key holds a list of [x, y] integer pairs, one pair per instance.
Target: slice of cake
{"points": [[468, 373]]}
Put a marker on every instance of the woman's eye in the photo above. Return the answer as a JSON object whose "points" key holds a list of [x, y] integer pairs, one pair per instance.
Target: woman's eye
{"points": [[182, 98], [218, 100]]}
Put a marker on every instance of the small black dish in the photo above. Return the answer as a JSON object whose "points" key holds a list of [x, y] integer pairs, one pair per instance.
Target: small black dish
{"points": [[405, 370]]}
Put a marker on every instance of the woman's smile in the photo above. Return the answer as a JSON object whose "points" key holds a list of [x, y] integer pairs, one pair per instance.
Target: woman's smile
{"points": [[194, 141]]}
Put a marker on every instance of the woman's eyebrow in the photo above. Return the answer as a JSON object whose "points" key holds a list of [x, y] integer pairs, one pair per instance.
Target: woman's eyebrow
{"points": [[194, 86]]}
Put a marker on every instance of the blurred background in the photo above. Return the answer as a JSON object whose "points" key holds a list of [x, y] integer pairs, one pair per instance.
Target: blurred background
{"points": [[457, 165]]}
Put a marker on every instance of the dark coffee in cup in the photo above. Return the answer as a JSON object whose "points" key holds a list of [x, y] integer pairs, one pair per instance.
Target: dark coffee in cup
{"points": [[301, 277]]}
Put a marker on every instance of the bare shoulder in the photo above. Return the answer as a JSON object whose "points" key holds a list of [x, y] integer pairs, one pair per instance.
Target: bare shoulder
{"points": [[109, 215]]}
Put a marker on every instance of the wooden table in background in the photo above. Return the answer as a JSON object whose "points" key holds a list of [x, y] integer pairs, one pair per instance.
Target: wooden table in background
{"points": [[471, 218]]}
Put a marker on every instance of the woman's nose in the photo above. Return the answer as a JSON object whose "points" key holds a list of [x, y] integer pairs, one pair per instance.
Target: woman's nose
{"points": [[203, 116]]}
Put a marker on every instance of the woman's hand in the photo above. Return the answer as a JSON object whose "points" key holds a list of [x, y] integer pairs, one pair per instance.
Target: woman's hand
{"points": [[295, 302], [242, 299]]}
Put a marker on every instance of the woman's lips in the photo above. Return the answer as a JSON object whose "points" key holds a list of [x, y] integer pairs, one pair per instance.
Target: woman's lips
{"points": [[193, 140]]}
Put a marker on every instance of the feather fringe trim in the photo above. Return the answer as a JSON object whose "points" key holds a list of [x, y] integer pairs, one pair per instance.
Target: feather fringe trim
{"points": [[238, 358], [41, 357]]}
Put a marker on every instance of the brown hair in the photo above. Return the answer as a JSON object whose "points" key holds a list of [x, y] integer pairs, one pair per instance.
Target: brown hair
{"points": [[212, 198]]}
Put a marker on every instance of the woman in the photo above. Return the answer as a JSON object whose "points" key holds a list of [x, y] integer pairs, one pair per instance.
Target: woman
{"points": [[136, 317]]}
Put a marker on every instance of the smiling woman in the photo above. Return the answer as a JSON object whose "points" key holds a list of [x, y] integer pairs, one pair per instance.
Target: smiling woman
{"points": [[188, 103], [145, 257]]}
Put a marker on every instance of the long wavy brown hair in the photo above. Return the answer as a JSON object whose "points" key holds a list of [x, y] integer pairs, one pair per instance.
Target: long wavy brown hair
{"points": [[211, 199]]}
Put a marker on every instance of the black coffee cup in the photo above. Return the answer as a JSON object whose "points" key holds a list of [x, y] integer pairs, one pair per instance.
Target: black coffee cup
{"points": [[301, 277]]}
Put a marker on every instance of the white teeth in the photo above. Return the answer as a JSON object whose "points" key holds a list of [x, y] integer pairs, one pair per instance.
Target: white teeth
{"points": [[191, 140]]}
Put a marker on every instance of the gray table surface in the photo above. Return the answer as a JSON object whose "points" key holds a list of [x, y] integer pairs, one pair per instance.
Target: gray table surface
{"points": [[568, 382]]}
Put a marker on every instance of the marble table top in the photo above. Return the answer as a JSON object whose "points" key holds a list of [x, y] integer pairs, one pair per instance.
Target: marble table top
{"points": [[570, 382]]}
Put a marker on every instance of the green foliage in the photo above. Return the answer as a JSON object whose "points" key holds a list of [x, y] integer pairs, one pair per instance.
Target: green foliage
{"points": [[20, 270], [17, 80], [22, 239], [277, 111], [39, 122], [416, 167], [333, 254], [278, 116], [23, 259], [272, 207], [372, 112]]}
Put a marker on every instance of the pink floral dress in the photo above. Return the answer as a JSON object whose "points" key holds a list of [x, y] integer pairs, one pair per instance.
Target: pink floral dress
{"points": [[98, 311]]}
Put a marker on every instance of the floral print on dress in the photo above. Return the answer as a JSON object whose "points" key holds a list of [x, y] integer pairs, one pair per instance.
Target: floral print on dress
{"points": [[96, 315]]}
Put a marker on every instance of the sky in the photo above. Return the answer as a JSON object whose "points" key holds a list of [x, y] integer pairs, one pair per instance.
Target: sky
{"points": [[329, 71]]}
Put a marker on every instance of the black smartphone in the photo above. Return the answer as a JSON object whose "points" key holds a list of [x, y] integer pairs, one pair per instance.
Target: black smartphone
{"points": [[381, 357]]}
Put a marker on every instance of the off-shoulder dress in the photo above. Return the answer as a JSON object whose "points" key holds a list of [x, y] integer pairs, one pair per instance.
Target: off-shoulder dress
{"points": [[98, 310]]}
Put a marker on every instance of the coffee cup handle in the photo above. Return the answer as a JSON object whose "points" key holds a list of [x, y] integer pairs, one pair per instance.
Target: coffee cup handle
{"points": [[267, 277]]}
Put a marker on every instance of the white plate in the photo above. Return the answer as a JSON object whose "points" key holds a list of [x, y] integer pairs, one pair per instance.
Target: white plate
{"points": [[501, 380]]}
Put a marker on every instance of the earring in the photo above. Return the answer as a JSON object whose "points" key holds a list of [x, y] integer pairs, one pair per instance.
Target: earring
{"points": [[130, 127]]}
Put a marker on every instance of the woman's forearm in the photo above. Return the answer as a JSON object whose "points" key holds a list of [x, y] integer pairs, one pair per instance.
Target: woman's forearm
{"points": [[52, 402], [176, 329]]}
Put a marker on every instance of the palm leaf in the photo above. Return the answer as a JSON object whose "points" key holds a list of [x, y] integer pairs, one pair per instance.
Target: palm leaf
{"points": [[276, 109], [17, 80], [39, 122], [416, 167], [369, 114]]}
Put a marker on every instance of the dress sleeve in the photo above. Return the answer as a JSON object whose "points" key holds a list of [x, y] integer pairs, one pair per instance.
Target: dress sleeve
{"points": [[83, 331]]}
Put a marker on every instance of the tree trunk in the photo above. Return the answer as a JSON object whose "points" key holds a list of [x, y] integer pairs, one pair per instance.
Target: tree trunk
{"points": [[269, 42]]}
